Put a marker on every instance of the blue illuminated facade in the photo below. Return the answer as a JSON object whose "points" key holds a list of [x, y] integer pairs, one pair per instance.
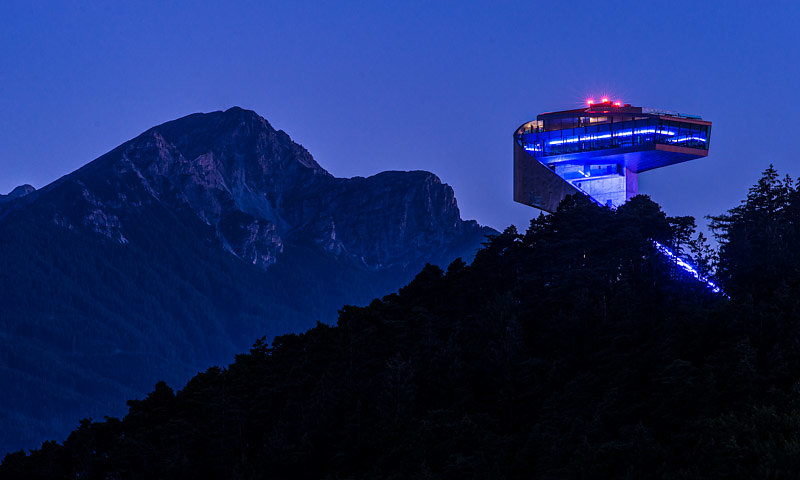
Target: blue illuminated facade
{"points": [[599, 151], [625, 134]]}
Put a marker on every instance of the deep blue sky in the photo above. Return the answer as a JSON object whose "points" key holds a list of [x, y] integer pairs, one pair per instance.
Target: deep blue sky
{"points": [[372, 86]]}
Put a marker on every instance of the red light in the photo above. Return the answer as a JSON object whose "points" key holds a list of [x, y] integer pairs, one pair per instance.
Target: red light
{"points": [[590, 101], [604, 100]]}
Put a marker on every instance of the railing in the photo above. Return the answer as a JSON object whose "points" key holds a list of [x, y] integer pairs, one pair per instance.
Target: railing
{"points": [[615, 135]]}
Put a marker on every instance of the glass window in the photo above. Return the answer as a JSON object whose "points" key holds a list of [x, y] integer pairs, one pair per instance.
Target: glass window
{"points": [[603, 138]]}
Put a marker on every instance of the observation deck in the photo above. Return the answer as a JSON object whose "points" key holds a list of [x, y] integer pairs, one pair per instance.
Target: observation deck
{"points": [[599, 151]]}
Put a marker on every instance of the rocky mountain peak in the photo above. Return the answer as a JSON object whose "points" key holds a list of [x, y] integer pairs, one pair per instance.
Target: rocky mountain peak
{"points": [[21, 191], [18, 192], [241, 138], [257, 190]]}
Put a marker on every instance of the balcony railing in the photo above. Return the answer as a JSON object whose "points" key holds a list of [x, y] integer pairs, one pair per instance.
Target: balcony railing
{"points": [[616, 135]]}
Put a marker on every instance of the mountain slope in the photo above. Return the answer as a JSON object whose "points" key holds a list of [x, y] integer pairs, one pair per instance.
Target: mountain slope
{"points": [[174, 250]]}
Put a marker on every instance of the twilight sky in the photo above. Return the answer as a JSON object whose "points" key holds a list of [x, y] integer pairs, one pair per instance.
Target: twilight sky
{"points": [[372, 86]]}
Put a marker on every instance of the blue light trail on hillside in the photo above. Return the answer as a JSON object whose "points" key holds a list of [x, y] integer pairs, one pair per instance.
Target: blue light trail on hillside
{"points": [[690, 269], [687, 267]]}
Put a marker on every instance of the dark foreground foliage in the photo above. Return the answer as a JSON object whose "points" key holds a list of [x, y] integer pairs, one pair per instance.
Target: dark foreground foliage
{"points": [[570, 351]]}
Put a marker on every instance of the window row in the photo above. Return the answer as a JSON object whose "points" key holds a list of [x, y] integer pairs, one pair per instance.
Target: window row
{"points": [[616, 135]]}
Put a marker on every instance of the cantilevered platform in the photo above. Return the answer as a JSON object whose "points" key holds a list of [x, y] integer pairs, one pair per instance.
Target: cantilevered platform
{"points": [[599, 151]]}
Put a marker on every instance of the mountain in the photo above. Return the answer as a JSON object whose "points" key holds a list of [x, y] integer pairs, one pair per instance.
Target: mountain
{"points": [[178, 248]]}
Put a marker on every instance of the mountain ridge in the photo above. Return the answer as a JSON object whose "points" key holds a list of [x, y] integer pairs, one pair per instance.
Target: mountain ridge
{"points": [[165, 163], [176, 249]]}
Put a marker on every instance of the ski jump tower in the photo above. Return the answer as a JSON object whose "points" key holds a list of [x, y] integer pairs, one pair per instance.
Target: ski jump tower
{"points": [[599, 151]]}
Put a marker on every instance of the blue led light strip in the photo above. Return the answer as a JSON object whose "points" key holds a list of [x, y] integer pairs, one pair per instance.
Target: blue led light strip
{"points": [[687, 139], [688, 268], [664, 250], [623, 133]]}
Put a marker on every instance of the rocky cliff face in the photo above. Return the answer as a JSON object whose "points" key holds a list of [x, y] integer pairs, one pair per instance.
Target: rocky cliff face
{"points": [[179, 248], [393, 218]]}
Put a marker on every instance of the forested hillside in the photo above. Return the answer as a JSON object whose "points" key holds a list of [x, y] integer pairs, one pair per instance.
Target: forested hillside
{"points": [[570, 350]]}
